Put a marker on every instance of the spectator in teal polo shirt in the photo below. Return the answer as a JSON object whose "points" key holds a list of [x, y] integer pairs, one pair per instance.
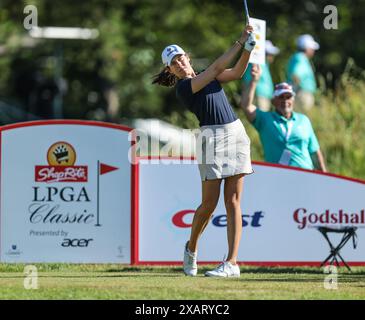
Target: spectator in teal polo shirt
{"points": [[300, 72], [287, 136], [265, 85]]}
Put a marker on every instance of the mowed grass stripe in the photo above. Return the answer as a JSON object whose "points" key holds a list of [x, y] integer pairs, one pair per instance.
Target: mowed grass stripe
{"points": [[68, 281]]}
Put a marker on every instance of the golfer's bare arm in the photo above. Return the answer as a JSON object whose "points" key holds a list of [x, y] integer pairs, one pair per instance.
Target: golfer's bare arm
{"points": [[248, 93], [235, 73], [219, 66], [318, 161]]}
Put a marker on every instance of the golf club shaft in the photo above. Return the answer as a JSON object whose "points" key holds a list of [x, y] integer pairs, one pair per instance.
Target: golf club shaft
{"points": [[246, 11]]}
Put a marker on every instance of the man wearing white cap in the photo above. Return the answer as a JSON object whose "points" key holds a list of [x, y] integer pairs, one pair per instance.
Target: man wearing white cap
{"points": [[287, 137], [300, 72], [265, 85]]}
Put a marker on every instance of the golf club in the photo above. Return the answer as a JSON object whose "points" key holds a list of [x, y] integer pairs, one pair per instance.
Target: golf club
{"points": [[246, 11]]}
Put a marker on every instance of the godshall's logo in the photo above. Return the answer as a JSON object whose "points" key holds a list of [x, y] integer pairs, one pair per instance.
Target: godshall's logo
{"points": [[61, 158], [310, 219]]}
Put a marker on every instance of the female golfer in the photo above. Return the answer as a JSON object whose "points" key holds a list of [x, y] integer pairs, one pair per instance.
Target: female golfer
{"points": [[225, 151]]}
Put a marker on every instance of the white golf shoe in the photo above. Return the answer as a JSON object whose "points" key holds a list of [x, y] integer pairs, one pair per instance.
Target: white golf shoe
{"points": [[190, 265], [224, 270]]}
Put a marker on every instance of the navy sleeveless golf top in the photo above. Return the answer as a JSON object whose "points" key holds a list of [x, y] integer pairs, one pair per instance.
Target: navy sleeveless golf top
{"points": [[210, 104]]}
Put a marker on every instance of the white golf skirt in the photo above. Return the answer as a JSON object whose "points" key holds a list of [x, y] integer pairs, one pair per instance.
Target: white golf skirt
{"points": [[223, 151]]}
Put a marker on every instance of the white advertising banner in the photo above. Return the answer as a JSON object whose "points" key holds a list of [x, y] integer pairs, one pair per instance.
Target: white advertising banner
{"points": [[259, 28], [282, 209], [65, 193]]}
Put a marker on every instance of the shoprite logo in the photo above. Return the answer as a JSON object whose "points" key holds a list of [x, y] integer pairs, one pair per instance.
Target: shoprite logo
{"points": [[54, 202], [61, 158]]}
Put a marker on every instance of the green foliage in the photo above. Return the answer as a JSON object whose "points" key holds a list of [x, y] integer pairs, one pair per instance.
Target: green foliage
{"points": [[339, 122]]}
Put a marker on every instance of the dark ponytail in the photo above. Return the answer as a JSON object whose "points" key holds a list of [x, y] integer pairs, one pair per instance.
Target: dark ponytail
{"points": [[165, 78]]}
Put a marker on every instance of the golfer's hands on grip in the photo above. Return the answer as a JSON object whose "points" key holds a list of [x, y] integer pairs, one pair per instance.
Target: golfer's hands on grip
{"points": [[245, 33], [250, 42], [248, 38]]}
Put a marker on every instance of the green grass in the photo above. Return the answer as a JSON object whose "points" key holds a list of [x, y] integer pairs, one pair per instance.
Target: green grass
{"points": [[65, 281]]}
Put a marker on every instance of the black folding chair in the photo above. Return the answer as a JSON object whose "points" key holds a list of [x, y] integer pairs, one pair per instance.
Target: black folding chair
{"points": [[348, 233]]}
